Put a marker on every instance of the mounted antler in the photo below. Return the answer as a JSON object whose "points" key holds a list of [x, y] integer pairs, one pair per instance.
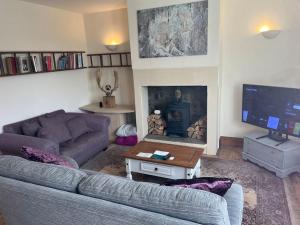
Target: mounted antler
{"points": [[108, 90]]}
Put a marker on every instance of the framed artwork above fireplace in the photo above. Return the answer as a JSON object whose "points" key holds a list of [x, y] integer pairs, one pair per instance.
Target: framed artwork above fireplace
{"points": [[177, 30]]}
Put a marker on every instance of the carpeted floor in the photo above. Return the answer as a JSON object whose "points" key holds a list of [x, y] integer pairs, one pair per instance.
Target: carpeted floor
{"points": [[265, 200]]}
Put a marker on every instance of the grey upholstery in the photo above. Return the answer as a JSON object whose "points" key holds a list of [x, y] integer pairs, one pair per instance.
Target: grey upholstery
{"points": [[38, 202], [187, 204], [49, 175], [235, 198], [29, 204]]}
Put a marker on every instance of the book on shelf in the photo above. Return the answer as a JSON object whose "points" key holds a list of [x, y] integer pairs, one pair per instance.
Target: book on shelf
{"points": [[69, 62], [23, 63], [11, 65], [47, 63], [36, 64]]}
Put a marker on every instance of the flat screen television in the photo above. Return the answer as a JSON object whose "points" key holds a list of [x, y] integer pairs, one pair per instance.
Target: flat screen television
{"points": [[274, 108]]}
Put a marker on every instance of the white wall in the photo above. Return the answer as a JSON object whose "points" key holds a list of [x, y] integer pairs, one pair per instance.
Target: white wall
{"points": [[192, 70], [102, 28], [26, 26], [249, 58], [211, 59]]}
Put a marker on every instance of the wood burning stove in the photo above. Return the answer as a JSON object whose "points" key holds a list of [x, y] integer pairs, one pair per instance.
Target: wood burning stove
{"points": [[178, 119]]}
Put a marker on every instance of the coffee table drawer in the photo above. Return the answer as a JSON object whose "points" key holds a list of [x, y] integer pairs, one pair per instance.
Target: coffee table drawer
{"points": [[156, 168]]}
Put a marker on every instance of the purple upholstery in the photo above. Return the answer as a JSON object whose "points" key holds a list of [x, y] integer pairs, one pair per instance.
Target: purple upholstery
{"points": [[215, 185], [38, 155], [78, 127], [31, 128], [81, 149], [11, 144], [86, 146], [54, 128]]}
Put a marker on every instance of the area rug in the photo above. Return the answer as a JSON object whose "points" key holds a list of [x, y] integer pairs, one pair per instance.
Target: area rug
{"points": [[265, 200]]}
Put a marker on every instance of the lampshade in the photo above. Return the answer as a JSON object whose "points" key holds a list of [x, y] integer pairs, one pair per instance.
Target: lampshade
{"points": [[112, 47], [270, 34]]}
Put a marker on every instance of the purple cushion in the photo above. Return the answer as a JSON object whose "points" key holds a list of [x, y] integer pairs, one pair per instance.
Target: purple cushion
{"points": [[215, 185], [127, 141], [78, 127], [38, 155], [30, 128], [54, 129]]}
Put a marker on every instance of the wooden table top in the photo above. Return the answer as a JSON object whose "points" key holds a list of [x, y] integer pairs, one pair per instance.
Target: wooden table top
{"points": [[186, 157], [118, 109]]}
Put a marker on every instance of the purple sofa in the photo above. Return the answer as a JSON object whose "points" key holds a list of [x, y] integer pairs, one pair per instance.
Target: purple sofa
{"points": [[76, 135]]}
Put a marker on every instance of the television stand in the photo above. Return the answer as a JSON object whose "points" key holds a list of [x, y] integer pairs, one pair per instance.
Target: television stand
{"points": [[282, 159], [276, 136]]}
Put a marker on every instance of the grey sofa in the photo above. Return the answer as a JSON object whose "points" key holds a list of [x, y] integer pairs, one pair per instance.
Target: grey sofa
{"points": [[33, 193], [81, 148]]}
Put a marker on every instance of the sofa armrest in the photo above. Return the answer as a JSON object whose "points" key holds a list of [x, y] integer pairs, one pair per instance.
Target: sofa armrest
{"points": [[235, 204], [95, 121], [11, 144]]}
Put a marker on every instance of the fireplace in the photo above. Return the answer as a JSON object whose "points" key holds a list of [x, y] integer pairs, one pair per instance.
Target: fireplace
{"points": [[178, 119], [174, 111]]}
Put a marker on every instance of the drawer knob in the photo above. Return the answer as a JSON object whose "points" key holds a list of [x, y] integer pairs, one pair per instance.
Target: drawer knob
{"points": [[155, 169]]}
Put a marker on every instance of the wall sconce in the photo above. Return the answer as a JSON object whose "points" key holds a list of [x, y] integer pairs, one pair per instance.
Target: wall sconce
{"points": [[112, 46], [268, 33]]}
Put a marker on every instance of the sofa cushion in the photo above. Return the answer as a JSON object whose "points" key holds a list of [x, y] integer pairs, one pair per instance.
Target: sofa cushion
{"points": [[215, 185], [38, 155], [31, 128], [193, 205], [54, 128], [53, 176], [77, 127], [85, 147], [55, 113]]}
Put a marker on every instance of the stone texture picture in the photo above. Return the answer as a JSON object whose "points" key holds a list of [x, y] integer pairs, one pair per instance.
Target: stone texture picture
{"points": [[177, 30]]}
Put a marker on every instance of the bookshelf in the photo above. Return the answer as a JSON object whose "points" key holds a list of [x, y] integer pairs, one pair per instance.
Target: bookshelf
{"points": [[108, 60], [16, 63]]}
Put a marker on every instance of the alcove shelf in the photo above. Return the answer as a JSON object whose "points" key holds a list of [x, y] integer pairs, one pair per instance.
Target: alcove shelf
{"points": [[109, 60], [16, 63]]}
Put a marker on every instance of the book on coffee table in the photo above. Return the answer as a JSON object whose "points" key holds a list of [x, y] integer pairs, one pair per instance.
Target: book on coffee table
{"points": [[161, 155]]}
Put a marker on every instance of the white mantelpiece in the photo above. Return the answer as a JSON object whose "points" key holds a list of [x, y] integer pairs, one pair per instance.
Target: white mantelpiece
{"points": [[207, 76]]}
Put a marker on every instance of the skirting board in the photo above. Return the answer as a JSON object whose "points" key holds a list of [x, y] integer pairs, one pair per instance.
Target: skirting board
{"points": [[231, 142]]}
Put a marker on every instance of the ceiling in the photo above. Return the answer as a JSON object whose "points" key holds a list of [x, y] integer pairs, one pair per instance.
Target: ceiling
{"points": [[82, 6]]}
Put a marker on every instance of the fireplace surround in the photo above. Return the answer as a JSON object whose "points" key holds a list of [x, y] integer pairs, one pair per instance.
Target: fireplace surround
{"points": [[204, 76]]}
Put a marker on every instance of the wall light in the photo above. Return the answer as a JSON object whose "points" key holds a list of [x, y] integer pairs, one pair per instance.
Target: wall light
{"points": [[112, 45], [269, 33]]}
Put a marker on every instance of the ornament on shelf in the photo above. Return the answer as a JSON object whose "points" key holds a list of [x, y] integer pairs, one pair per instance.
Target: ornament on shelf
{"points": [[109, 101]]}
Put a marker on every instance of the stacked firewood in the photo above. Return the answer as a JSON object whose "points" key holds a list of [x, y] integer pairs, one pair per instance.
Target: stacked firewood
{"points": [[198, 129], [156, 124]]}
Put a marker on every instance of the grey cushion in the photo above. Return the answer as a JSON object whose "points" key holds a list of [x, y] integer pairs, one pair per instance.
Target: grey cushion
{"points": [[77, 127], [235, 204], [55, 129], [188, 204], [53, 176]]}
